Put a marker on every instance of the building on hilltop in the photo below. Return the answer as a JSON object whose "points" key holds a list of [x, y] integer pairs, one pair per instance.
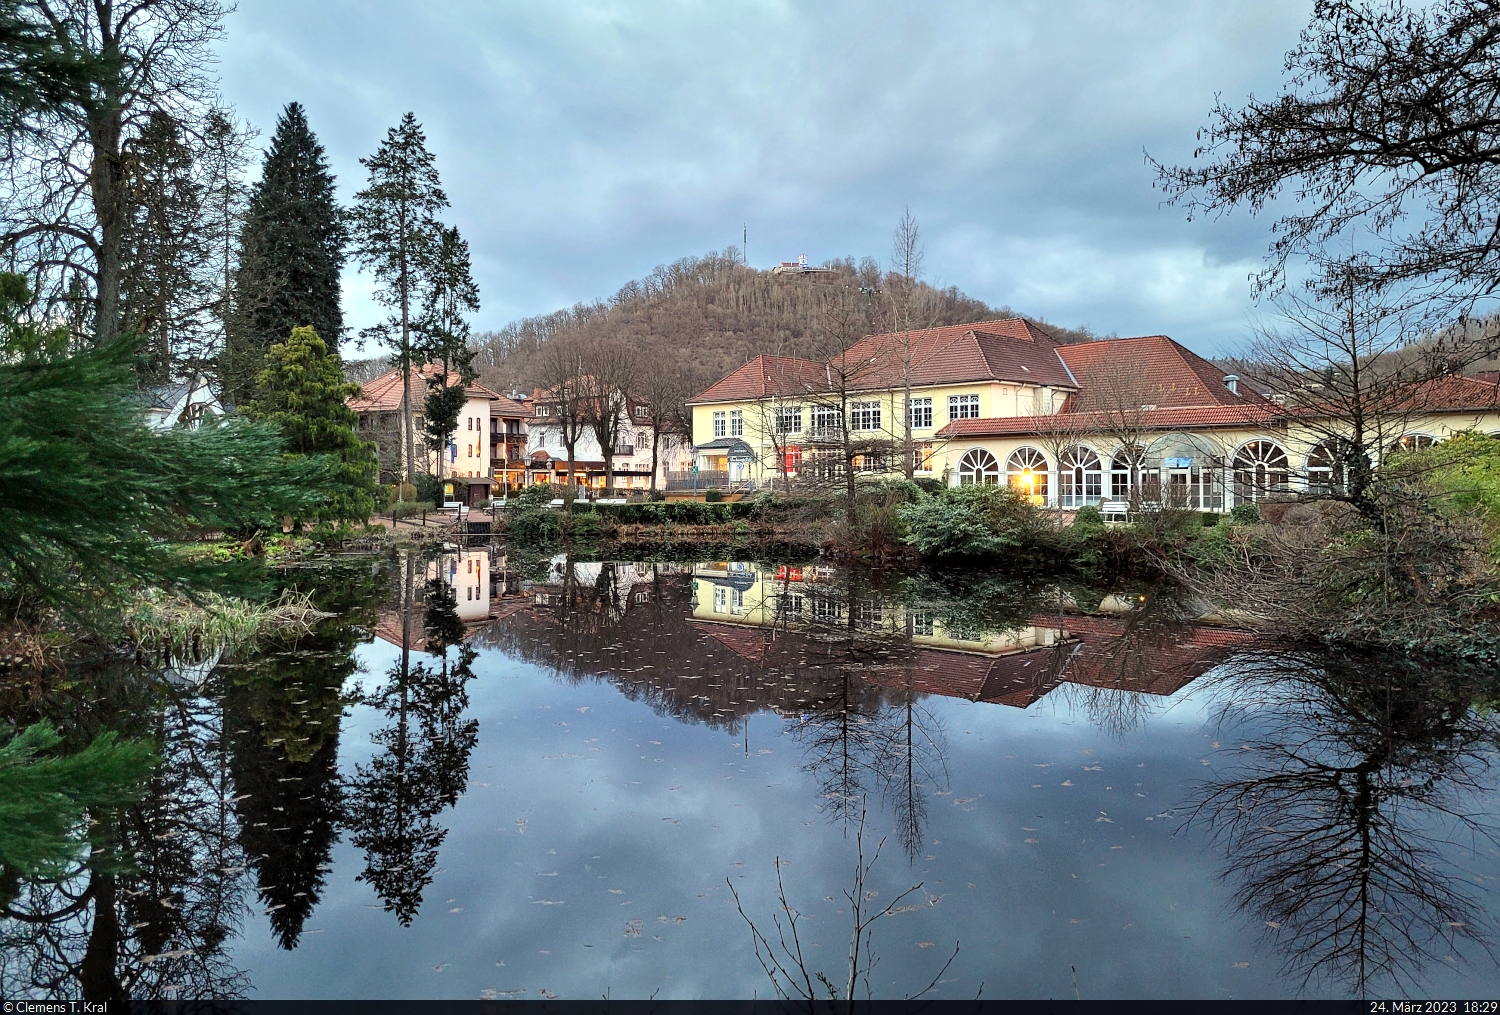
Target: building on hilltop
{"points": [[1115, 420]]}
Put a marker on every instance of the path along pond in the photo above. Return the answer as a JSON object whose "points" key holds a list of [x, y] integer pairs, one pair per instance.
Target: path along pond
{"points": [[476, 780]]}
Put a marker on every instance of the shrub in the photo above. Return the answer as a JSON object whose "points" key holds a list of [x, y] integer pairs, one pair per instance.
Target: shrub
{"points": [[537, 495], [583, 526], [407, 508], [1245, 514], [406, 491], [1210, 519], [1088, 519], [429, 488], [929, 485], [713, 496], [656, 496], [535, 527], [970, 521]]}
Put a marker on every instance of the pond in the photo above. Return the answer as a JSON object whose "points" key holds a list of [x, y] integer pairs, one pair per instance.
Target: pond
{"points": [[585, 779]]}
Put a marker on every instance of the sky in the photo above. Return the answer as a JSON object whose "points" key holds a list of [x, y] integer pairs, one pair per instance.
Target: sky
{"points": [[583, 143]]}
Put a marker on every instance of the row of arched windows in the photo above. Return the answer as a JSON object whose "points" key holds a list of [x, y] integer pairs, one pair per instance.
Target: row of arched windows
{"points": [[1258, 468]]}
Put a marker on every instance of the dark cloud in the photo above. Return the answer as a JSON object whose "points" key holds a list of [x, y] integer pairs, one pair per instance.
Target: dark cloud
{"points": [[583, 143]]}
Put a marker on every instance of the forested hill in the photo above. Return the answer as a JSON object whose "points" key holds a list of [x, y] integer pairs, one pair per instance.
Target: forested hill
{"points": [[704, 316]]}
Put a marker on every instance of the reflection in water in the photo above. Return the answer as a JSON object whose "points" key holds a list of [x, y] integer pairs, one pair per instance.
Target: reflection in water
{"points": [[1345, 819], [1348, 811], [395, 800], [151, 909]]}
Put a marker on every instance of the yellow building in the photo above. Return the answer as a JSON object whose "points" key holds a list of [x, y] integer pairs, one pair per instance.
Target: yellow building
{"points": [[1094, 423]]}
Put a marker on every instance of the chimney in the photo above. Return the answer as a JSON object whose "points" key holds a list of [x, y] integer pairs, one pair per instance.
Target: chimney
{"points": [[1232, 382]]}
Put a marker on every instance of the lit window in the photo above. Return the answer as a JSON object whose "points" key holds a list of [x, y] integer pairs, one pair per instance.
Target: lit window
{"points": [[921, 413], [963, 407]]}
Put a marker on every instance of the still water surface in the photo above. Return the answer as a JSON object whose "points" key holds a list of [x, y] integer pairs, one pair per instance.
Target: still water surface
{"points": [[476, 782]]}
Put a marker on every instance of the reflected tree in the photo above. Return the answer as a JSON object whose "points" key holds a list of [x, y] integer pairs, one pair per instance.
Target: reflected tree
{"points": [[423, 766], [1348, 807], [283, 709]]}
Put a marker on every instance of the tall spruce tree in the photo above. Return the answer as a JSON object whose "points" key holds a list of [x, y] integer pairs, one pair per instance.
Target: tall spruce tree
{"points": [[291, 255], [397, 237], [444, 339]]}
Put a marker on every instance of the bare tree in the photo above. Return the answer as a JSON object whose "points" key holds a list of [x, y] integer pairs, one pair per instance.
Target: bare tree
{"points": [[1355, 373], [847, 430], [909, 305], [662, 390], [1385, 126], [1118, 406], [1058, 433], [607, 374], [560, 371], [93, 73]]}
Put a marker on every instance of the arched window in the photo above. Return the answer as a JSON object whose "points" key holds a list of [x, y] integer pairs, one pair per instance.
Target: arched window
{"points": [[1260, 468], [1127, 471], [1325, 469], [1026, 471], [978, 466], [1413, 442], [1080, 477]]}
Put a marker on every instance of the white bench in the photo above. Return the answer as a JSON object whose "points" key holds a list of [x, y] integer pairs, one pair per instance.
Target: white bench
{"points": [[1109, 508]]}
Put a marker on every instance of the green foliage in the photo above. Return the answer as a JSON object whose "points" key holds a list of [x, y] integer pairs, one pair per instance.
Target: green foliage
{"points": [[396, 235], [970, 521], [440, 412], [302, 390], [1463, 472], [713, 496], [290, 257], [535, 526], [92, 492], [534, 496], [1087, 519], [1245, 514], [46, 799], [1210, 519], [427, 489], [24, 338]]}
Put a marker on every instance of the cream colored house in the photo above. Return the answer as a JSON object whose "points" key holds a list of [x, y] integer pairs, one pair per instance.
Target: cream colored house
{"points": [[1099, 422], [485, 449]]}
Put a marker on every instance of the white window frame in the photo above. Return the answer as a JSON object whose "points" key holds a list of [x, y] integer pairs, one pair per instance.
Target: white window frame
{"points": [[963, 407], [864, 416], [720, 426], [736, 423], [921, 413]]}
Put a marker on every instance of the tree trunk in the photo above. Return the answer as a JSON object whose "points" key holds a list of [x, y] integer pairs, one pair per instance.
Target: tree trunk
{"points": [[107, 186], [655, 443]]}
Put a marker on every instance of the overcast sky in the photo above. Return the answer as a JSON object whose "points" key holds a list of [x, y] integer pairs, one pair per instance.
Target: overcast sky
{"points": [[582, 143]]}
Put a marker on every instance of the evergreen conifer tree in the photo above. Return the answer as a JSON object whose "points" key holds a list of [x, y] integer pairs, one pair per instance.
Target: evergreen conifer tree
{"points": [[291, 255], [302, 390], [444, 339], [397, 237]]}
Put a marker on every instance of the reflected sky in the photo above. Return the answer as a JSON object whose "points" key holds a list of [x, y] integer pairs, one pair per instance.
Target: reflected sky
{"points": [[600, 755]]}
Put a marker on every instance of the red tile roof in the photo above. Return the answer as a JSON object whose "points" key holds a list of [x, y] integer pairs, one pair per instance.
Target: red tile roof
{"points": [[1157, 370], [1089, 422], [1006, 350], [767, 375], [383, 394]]}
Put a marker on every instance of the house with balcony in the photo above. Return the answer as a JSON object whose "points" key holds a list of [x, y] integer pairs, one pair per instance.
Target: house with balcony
{"points": [[465, 463], [547, 461], [1104, 422]]}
